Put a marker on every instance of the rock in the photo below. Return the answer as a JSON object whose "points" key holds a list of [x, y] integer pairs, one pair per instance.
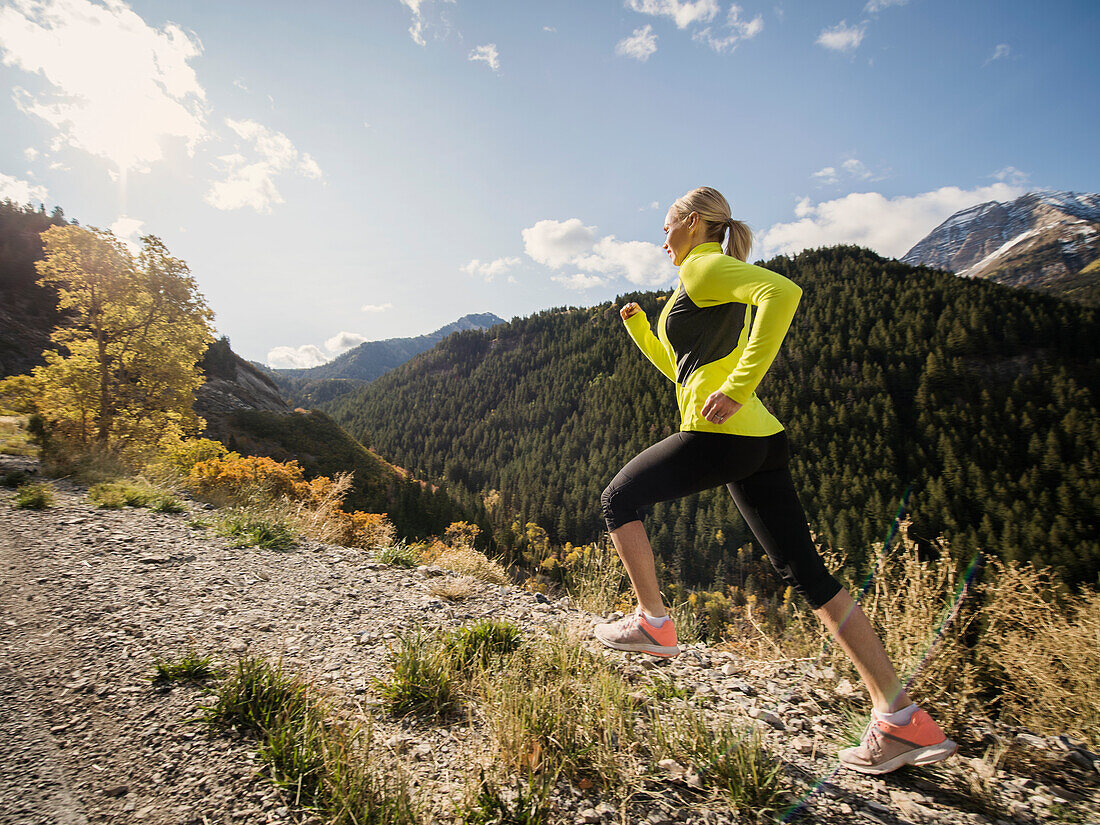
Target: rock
{"points": [[1082, 759], [588, 815], [767, 716], [1032, 741], [802, 744], [844, 688], [728, 669], [671, 767], [542, 598]]}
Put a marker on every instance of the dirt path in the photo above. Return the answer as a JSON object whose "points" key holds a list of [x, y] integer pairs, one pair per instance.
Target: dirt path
{"points": [[90, 597]]}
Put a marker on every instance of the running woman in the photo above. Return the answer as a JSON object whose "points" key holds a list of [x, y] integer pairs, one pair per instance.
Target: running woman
{"points": [[704, 345]]}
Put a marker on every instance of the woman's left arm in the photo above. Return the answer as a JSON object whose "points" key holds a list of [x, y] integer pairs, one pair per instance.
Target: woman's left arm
{"points": [[776, 298]]}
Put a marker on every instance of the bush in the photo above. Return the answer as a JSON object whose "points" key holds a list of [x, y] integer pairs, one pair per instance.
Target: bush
{"points": [[191, 666], [35, 496]]}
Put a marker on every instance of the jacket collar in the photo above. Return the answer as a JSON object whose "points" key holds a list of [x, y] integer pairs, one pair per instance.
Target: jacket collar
{"points": [[703, 249]]}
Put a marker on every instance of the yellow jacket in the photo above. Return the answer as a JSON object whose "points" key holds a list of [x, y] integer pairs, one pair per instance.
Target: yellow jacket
{"points": [[703, 341]]}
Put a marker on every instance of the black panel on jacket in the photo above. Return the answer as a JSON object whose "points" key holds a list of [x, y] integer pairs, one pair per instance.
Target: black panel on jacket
{"points": [[700, 335]]}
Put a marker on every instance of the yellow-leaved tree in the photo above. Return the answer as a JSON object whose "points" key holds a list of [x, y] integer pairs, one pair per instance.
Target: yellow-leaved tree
{"points": [[125, 366]]}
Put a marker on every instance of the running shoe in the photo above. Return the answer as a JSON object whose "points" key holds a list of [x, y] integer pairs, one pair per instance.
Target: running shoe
{"points": [[887, 747], [634, 632]]}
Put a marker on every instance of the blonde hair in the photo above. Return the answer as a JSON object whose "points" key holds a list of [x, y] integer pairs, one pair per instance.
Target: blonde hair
{"points": [[715, 212]]}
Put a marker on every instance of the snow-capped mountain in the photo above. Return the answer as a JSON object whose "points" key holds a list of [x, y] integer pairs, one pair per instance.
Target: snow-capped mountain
{"points": [[1043, 240]]}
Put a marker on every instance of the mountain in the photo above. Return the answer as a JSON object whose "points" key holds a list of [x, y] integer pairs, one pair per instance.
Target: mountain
{"points": [[1044, 241], [366, 362], [976, 398]]}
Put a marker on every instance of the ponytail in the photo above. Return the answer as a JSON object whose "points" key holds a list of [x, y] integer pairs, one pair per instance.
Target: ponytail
{"points": [[714, 210]]}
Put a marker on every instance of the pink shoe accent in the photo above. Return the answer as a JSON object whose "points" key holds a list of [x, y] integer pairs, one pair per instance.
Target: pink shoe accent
{"points": [[635, 633]]}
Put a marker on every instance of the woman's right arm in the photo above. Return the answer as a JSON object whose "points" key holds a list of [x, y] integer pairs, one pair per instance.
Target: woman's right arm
{"points": [[637, 325]]}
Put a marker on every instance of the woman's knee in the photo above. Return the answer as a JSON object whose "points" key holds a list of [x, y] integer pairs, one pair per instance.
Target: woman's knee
{"points": [[617, 508]]}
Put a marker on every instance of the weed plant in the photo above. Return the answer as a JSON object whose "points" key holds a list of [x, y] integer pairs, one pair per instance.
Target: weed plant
{"points": [[14, 478], [422, 681], [33, 496], [730, 760], [477, 646], [555, 707], [399, 554], [190, 667], [322, 764], [523, 804], [255, 527], [467, 561]]}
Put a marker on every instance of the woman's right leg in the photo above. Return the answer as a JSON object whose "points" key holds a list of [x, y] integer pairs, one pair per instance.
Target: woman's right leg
{"points": [[683, 463]]}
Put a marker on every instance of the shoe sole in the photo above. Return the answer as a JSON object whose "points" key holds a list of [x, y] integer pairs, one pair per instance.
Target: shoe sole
{"points": [[918, 756], [652, 650]]}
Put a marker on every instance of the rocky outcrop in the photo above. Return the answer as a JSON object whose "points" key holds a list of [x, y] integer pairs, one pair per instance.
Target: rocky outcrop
{"points": [[232, 384]]}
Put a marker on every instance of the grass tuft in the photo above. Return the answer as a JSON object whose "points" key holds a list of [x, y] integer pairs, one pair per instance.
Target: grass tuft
{"points": [[422, 681], [251, 527], [727, 759], [190, 667], [399, 554], [14, 478], [522, 805], [34, 496], [323, 764], [476, 646]]}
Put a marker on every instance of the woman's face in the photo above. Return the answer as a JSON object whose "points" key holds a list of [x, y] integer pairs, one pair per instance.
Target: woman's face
{"points": [[678, 236]]}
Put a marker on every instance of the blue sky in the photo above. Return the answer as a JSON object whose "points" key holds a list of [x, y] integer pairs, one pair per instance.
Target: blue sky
{"points": [[335, 172]]}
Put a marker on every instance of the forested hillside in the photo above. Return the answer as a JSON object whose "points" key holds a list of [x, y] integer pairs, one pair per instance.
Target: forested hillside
{"points": [[977, 398]]}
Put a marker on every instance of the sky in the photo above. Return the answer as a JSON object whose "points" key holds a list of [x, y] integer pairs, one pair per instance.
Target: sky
{"points": [[339, 172]]}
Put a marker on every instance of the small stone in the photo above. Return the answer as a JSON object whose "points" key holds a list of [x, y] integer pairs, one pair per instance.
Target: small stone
{"points": [[803, 744], [768, 717], [542, 598], [694, 780], [588, 815], [672, 767], [1080, 759], [876, 807], [237, 646], [115, 791], [605, 809], [844, 688], [1032, 741], [728, 669]]}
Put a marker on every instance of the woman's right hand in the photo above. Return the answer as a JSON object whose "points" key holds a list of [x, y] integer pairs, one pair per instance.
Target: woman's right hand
{"points": [[629, 309]]}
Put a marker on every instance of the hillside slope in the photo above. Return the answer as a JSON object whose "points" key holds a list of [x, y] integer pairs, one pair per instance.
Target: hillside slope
{"points": [[976, 398]]}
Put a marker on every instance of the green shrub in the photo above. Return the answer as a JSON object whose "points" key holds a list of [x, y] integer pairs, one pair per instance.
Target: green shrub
{"points": [[251, 527], [191, 667], [399, 554], [14, 478], [477, 645], [34, 496], [422, 681]]}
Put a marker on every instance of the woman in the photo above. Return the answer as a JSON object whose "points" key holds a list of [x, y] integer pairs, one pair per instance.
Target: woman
{"points": [[727, 436]]}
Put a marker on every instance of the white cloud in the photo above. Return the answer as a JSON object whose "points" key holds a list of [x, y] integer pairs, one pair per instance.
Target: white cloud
{"points": [[21, 191], [126, 230], [856, 169], [376, 307], [890, 226], [1011, 175], [296, 357], [491, 269], [556, 243], [684, 12], [878, 5], [251, 181], [416, 30], [851, 168], [487, 54], [116, 87], [737, 30], [1002, 50], [578, 281], [641, 263], [550, 29], [841, 37], [343, 341], [30, 153], [640, 45]]}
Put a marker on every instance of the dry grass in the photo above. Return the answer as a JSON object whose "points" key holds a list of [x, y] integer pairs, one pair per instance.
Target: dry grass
{"points": [[1043, 652], [455, 590], [469, 562]]}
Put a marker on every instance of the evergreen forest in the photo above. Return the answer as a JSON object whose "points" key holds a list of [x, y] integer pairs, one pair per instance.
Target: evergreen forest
{"points": [[970, 402]]}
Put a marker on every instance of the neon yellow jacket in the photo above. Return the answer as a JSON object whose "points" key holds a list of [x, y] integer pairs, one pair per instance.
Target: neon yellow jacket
{"points": [[703, 341]]}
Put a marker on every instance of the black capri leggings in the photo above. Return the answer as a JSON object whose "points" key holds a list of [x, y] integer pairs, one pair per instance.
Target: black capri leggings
{"points": [[755, 470]]}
